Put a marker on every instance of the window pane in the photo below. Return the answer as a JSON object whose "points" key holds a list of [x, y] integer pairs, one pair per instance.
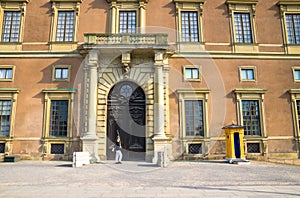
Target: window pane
{"points": [[11, 26], [194, 118], [243, 30], [297, 74], [65, 73], [247, 74], [293, 28], [188, 73], [5, 113], [127, 22], [65, 26], [251, 117], [57, 73], [59, 118], [189, 27], [6, 73]]}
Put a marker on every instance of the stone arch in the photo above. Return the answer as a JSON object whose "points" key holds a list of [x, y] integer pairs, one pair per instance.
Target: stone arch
{"points": [[141, 73]]}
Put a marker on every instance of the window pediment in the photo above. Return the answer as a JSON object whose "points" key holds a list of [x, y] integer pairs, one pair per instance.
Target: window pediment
{"points": [[72, 1], [249, 2], [189, 1], [25, 1], [127, 1], [290, 2]]}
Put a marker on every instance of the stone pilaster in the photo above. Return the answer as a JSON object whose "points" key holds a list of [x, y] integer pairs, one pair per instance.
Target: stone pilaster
{"points": [[90, 139], [160, 140]]}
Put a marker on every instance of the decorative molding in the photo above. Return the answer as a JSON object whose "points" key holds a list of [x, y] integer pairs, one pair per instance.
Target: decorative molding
{"points": [[289, 2], [248, 2]]}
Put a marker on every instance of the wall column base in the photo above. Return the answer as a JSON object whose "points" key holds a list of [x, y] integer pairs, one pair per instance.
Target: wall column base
{"points": [[90, 144]]}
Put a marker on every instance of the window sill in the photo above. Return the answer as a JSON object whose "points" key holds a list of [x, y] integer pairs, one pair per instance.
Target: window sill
{"points": [[190, 46], [63, 46], [292, 49], [10, 46], [245, 47]]}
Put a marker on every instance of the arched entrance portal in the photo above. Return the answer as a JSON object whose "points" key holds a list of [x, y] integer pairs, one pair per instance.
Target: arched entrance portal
{"points": [[126, 116]]}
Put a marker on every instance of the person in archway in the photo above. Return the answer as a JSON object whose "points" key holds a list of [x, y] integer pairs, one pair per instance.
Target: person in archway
{"points": [[118, 147]]}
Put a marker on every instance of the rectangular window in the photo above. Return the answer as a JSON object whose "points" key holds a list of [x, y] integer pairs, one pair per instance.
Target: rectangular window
{"points": [[251, 117], [297, 74], [6, 73], [189, 27], [65, 26], [243, 30], [293, 28], [192, 73], [59, 118], [5, 114], [61, 73], [11, 26], [194, 118], [247, 74], [127, 22]]}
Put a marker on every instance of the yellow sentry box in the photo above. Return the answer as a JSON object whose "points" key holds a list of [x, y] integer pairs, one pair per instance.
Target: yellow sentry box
{"points": [[234, 135]]}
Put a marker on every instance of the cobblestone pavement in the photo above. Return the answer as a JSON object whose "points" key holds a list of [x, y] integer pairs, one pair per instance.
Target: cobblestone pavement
{"points": [[141, 179]]}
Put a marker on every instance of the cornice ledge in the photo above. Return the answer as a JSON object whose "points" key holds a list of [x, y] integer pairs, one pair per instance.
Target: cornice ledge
{"points": [[288, 2], [26, 1], [127, 1], [5, 90], [242, 2], [250, 90], [58, 90], [188, 1], [77, 1], [294, 91], [191, 90]]}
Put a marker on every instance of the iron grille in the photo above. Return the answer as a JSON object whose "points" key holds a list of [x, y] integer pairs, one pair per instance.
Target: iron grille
{"points": [[57, 148], [195, 148], [2, 147], [253, 147]]}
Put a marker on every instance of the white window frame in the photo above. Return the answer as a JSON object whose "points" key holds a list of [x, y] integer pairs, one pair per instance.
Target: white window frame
{"points": [[12, 67], [253, 68], [55, 67], [198, 67]]}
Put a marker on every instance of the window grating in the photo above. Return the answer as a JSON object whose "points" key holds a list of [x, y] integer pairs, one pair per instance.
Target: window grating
{"points": [[293, 28], [11, 26], [5, 111], [59, 118], [195, 148], [127, 22], [57, 148], [253, 147], [2, 147], [65, 26], [243, 30], [251, 117], [189, 27], [194, 118]]}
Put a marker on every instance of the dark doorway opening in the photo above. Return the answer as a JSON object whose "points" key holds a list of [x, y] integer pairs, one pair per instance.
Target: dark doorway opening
{"points": [[126, 116]]}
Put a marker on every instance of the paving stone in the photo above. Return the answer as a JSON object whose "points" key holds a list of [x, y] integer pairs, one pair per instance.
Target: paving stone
{"points": [[141, 179]]}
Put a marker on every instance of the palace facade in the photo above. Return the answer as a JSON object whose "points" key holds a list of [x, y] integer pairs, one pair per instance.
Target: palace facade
{"points": [[166, 75]]}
